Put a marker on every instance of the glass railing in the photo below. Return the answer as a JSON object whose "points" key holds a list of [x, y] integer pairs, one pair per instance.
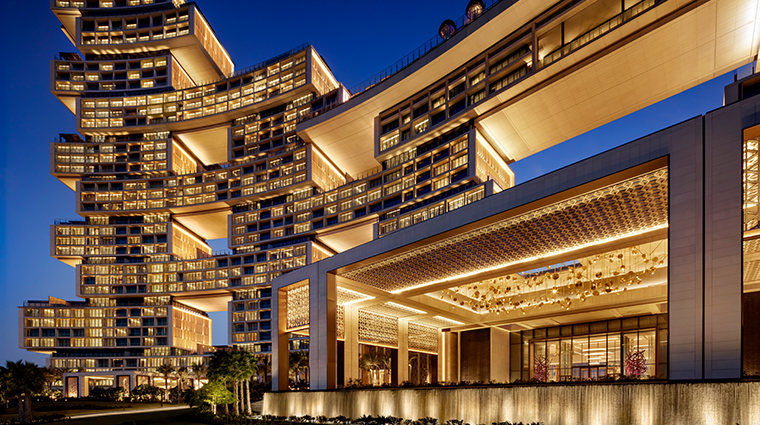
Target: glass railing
{"points": [[598, 31], [419, 52], [399, 65], [601, 29]]}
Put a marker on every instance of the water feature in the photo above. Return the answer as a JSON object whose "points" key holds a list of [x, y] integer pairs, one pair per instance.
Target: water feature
{"points": [[645, 403]]}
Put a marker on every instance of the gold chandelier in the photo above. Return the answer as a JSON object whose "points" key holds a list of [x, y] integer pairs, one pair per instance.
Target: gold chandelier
{"points": [[562, 284]]}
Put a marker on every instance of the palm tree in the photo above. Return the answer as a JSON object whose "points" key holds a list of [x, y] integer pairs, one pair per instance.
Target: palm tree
{"points": [[247, 368], [241, 372], [199, 370], [236, 365], [182, 373], [165, 369], [220, 370], [256, 370], [5, 386], [24, 380], [372, 362], [298, 361], [264, 367], [387, 364], [52, 375]]}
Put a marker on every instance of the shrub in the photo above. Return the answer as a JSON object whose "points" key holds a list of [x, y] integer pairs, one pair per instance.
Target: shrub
{"points": [[147, 392], [428, 421], [107, 394]]}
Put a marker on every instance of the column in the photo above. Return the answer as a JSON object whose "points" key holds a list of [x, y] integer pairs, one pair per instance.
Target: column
{"points": [[686, 239], [279, 341], [84, 389], [402, 372], [441, 356], [451, 356], [351, 344], [723, 278], [499, 355], [323, 342]]}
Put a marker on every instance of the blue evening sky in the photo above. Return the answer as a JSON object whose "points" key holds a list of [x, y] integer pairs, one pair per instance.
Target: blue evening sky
{"points": [[356, 38]]}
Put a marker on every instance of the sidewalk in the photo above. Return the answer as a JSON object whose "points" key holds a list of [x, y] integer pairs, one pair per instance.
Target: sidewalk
{"points": [[129, 411]]}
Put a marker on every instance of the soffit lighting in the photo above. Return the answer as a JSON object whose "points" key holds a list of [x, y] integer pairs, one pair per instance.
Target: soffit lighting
{"points": [[633, 207]]}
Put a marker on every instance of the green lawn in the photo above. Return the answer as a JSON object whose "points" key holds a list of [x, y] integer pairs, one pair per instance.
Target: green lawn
{"points": [[76, 407]]}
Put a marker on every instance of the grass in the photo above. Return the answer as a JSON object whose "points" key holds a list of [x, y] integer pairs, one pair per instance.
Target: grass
{"points": [[81, 407]]}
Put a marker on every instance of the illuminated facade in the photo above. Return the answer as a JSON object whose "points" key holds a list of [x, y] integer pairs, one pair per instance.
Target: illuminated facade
{"points": [[384, 219]]}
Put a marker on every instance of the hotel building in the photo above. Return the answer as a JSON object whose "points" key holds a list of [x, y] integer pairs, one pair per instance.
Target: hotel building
{"points": [[385, 218]]}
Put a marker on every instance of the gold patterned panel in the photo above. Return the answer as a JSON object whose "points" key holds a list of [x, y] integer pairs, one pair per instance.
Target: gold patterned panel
{"points": [[378, 329], [751, 266], [394, 310], [751, 246], [751, 183], [72, 386], [297, 303], [340, 322], [423, 338], [752, 271], [634, 206], [437, 322], [347, 296], [123, 382]]}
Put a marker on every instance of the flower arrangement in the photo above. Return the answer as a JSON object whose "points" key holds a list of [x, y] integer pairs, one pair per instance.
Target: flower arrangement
{"points": [[635, 364], [541, 368]]}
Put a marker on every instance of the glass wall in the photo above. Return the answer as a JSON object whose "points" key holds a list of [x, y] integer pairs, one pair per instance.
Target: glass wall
{"points": [[751, 249], [423, 368], [632, 348]]}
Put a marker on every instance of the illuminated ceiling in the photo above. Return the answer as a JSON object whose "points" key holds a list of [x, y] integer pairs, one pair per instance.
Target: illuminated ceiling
{"points": [[208, 144], [658, 55], [393, 310], [437, 322], [685, 48], [347, 296], [207, 224], [635, 206], [207, 302]]}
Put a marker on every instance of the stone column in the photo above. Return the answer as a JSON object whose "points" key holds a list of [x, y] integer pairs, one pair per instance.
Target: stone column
{"points": [[402, 373], [441, 357], [279, 341], [323, 342], [450, 361], [499, 355], [686, 244], [351, 344], [723, 246], [84, 389]]}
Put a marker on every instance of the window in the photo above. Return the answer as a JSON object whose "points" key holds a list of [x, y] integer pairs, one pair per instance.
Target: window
{"points": [[594, 351]]}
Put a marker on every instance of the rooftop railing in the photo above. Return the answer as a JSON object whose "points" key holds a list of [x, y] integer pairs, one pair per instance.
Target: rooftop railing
{"points": [[46, 303], [402, 63], [105, 12], [580, 41], [68, 222], [419, 52]]}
